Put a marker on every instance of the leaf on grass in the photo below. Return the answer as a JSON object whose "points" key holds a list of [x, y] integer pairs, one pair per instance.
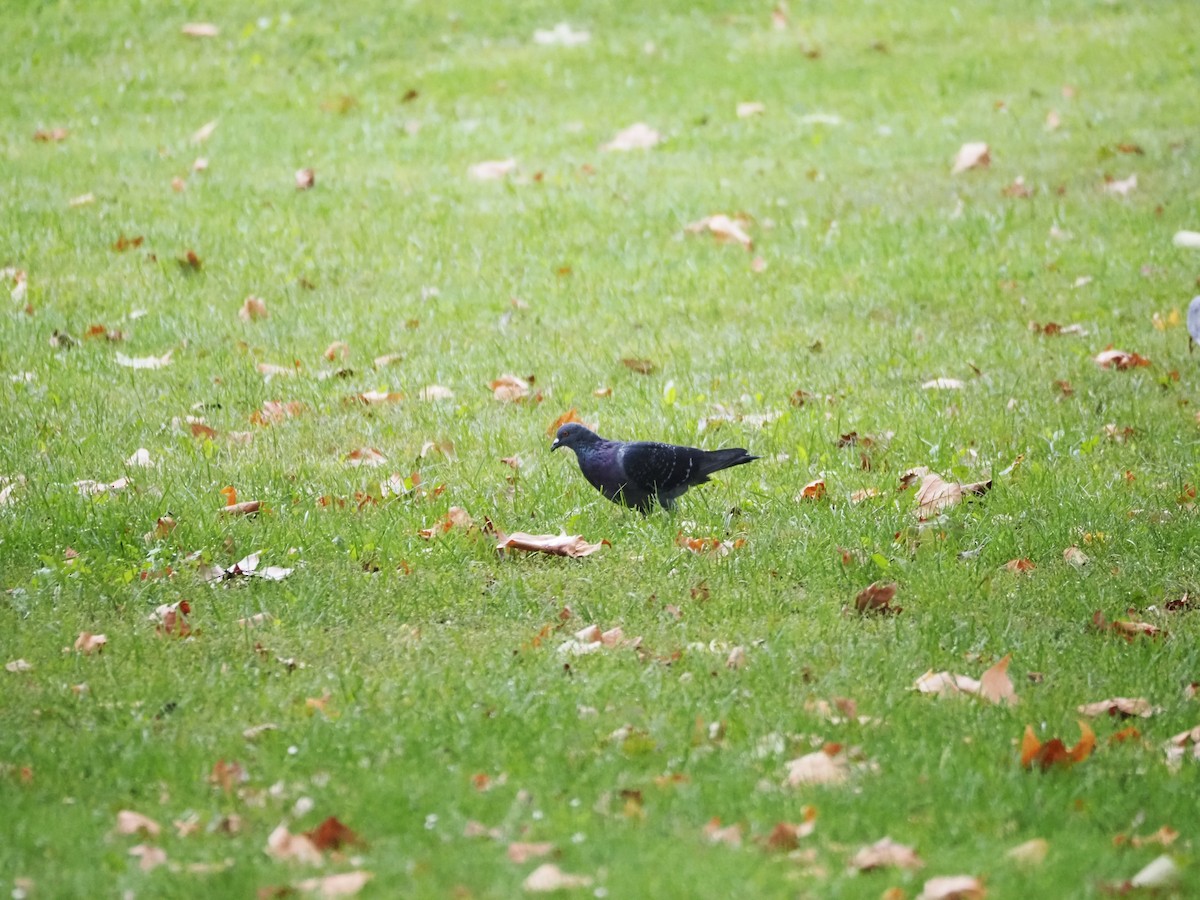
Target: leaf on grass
{"points": [[388, 359], [953, 887], [995, 684], [548, 877], [886, 853], [829, 765], [1054, 752], [456, 517], [332, 834], [716, 833], [936, 494], [1030, 853], [521, 852], [944, 384], [89, 487], [572, 545], [144, 362], [253, 309], [365, 456], [876, 599], [709, 546], [561, 35], [509, 389], [275, 411], [1126, 628], [50, 135], [130, 822], [723, 228], [171, 619], [492, 170], [814, 490], [271, 370], [376, 398], [1119, 359], [200, 30], [971, 155], [1120, 187], [112, 335], [245, 508], [148, 857], [571, 415], [288, 847], [1053, 328], [786, 836], [638, 136], [641, 366], [1165, 836], [327, 887], [435, 392], [17, 666], [1122, 707], [254, 732], [750, 108], [864, 494], [305, 179], [88, 643], [140, 457], [1020, 565], [999, 687]]}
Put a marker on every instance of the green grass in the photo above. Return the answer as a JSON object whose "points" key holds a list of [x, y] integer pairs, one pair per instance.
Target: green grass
{"points": [[429, 650]]}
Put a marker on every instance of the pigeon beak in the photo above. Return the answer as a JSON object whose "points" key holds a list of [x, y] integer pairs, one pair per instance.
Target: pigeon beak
{"points": [[555, 445]]}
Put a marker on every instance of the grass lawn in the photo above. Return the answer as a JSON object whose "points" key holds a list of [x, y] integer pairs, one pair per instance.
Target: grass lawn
{"points": [[425, 691]]}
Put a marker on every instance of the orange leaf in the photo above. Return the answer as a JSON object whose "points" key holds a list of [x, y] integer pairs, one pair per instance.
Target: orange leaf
{"points": [[814, 490], [332, 835], [1054, 752], [877, 598], [571, 415]]}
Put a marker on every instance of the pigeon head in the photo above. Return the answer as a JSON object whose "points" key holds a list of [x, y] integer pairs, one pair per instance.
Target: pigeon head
{"points": [[574, 435]]}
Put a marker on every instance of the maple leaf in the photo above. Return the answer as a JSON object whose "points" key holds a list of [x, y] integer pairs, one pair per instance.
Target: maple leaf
{"points": [[886, 853], [994, 685], [638, 136], [548, 878], [285, 846], [814, 490], [730, 835], [786, 836], [374, 398], [936, 494], [1054, 752], [572, 545], [332, 834], [509, 389], [710, 545], [641, 366], [253, 309], [1126, 628], [275, 411], [365, 456], [971, 156], [456, 517], [1119, 359], [571, 415], [1123, 707], [1020, 565], [88, 643], [876, 598], [723, 228], [828, 765]]}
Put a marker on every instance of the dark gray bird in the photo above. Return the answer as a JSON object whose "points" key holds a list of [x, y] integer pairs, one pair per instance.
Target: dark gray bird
{"points": [[1193, 323], [636, 473]]}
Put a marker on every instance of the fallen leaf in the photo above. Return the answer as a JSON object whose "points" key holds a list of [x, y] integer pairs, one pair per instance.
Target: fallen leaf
{"points": [[456, 517], [256, 731], [201, 30], [1125, 628], [1159, 873], [953, 887], [814, 490], [876, 599], [971, 156], [271, 370], [332, 835], [344, 884], [149, 858], [1031, 853], [572, 545], [275, 411], [1121, 187], [493, 170], [1075, 557], [641, 366], [89, 487], [710, 545], [548, 877], [305, 179], [88, 643], [723, 228], [786, 836], [561, 35], [826, 766], [140, 457], [144, 362], [886, 853], [374, 398], [253, 309], [287, 847], [1123, 707], [520, 852], [1188, 239], [749, 108], [736, 659], [995, 684], [50, 135], [1018, 189], [936, 494], [1020, 565], [1054, 752], [130, 822], [944, 384], [245, 508], [204, 132], [365, 456], [1053, 328], [730, 835], [571, 415], [509, 389], [17, 666], [1119, 359], [435, 392], [638, 136], [388, 359]]}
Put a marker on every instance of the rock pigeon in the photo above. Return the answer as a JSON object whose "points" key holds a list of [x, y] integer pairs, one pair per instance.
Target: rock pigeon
{"points": [[1193, 323], [636, 473]]}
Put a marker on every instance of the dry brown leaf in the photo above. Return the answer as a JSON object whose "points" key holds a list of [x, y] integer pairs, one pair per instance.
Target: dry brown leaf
{"points": [[749, 108], [271, 370], [711, 546], [786, 836], [1126, 628], [970, 156], [723, 228], [572, 545], [435, 392], [953, 887], [736, 659], [571, 415], [1054, 752], [548, 877], [327, 887], [17, 666], [886, 853], [828, 765], [520, 852], [1121, 187], [995, 684], [130, 822], [388, 359], [285, 846], [1122, 707], [561, 35], [936, 494], [730, 835], [602, 392], [509, 389], [1020, 565], [944, 384], [641, 366], [1119, 359], [148, 857], [456, 517], [365, 456], [864, 494], [144, 362], [492, 170], [814, 490], [374, 398], [332, 835], [1030, 853], [88, 643], [305, 179], [639, 136], [1053, 328], [50, 135], [254, 732], [200, 30], [245, 508], [253, 309], [876, 598]]}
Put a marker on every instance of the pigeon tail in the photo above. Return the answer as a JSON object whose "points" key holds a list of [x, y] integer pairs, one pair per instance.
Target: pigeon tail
{"points": [[716, 460]]}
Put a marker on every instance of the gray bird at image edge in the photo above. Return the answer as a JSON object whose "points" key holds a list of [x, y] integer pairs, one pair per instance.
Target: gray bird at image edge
{"points": [[1193, 323], [636, 473]]}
